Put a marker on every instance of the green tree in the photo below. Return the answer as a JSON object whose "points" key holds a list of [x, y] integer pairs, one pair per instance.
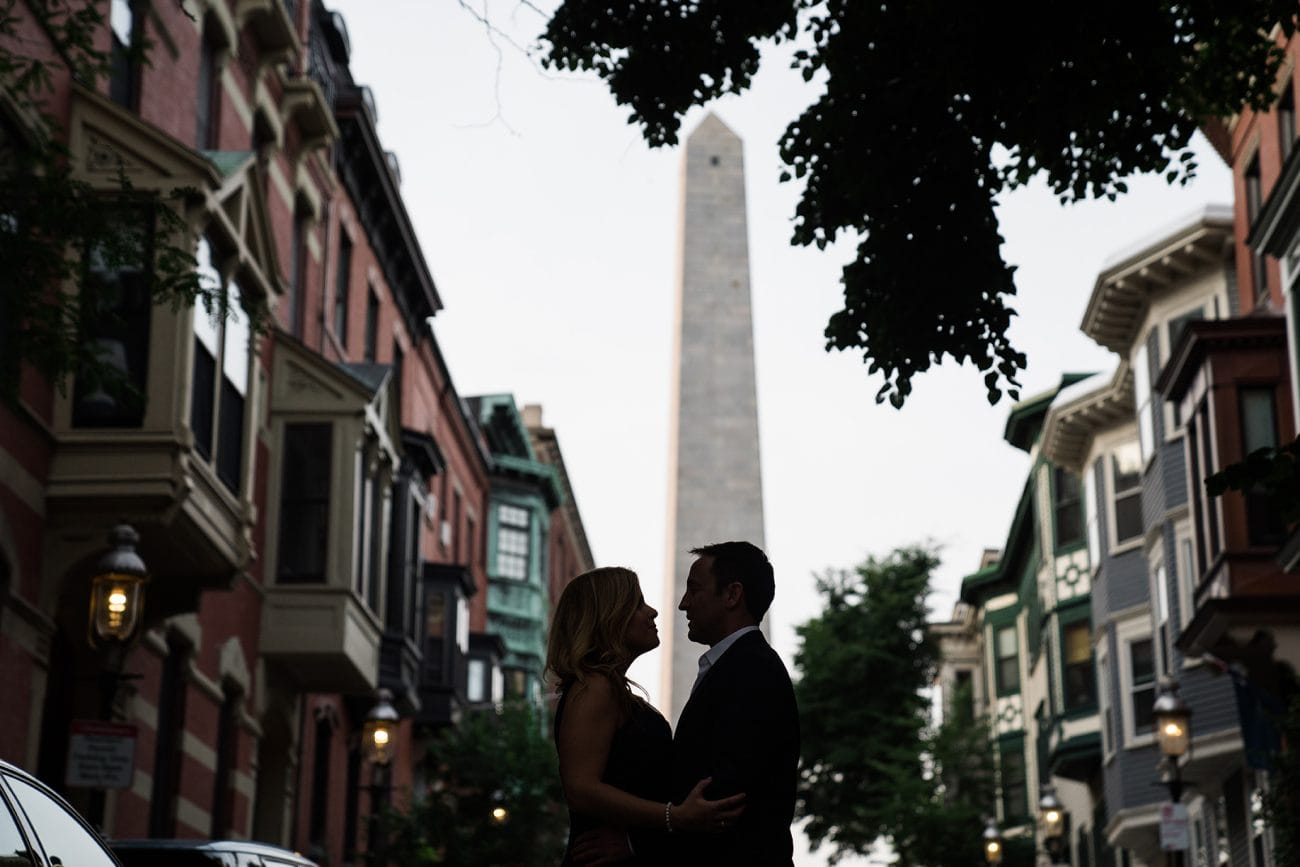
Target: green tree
{"points": [[875, 768], [491, 761], [923, 113], [53, 225]]}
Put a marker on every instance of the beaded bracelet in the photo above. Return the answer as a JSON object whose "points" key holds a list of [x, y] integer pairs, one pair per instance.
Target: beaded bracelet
{"points": [[668, 816]]}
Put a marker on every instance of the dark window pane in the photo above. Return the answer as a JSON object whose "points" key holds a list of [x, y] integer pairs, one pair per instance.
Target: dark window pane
{"points": [[298, 281], [1286, 121], [124, 73], [206, 103], [1128, 517], [1144, 701], [1069, 508], [1258, 411], [1015, 802], [1080, 680], [341, 286], [304, 502], [375, 566], [372, 325], [204, 381], [230, 442], [116, 312], [1143, 675]]}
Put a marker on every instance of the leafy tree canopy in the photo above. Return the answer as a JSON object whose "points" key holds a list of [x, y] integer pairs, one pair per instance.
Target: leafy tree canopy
{"points": [[491, 760], [55, 229], [924, 113]]}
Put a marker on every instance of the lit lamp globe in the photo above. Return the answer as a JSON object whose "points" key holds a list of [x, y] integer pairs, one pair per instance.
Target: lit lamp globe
{"points": [[1051, 813], [379, 735], [992, 843], [500, 815], [1173, 720], [117, 589]]}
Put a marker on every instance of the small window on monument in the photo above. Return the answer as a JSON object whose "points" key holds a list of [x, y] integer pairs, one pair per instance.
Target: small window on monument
{"points": [[713, 161]]}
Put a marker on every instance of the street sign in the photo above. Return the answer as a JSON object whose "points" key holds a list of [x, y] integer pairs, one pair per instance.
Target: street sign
{"points": [[1173, 827], [101, 755]]}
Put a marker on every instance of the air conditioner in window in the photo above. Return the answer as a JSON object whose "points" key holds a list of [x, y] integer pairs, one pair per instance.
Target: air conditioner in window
{"points": [[446, 533]]}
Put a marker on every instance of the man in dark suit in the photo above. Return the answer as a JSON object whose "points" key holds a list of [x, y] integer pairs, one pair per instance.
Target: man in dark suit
{"points": [[740, 726]]}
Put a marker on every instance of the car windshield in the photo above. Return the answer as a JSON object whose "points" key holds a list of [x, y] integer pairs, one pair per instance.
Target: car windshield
{"points": [[66, 841]]}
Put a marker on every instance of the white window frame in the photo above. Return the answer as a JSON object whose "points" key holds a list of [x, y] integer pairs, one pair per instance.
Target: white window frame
{"points": [[220, 331], [1092, 529], [1104, 703], [1184, 552], [1160, 611], [1126, 634], [1209, 306], [1112, 531], [1143, 400]]}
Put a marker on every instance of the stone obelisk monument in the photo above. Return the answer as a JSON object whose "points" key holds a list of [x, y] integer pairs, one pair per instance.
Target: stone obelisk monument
{"points": [[715, 491]]}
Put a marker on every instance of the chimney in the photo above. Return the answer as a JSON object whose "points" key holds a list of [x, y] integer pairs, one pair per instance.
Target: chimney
{"points": [[532, 415]]}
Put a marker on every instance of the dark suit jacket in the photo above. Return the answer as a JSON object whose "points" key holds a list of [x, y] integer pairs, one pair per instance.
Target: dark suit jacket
{"points": [[741, 727]]}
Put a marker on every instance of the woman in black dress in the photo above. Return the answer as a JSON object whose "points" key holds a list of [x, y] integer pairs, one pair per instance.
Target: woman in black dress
{"points": [[613, 746]]}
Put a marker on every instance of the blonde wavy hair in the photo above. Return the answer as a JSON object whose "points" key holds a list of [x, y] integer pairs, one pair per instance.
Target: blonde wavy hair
{"points": [[589, 629]]}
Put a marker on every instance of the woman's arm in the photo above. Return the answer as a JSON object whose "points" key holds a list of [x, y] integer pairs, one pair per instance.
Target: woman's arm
{"points": [[591, 716]]}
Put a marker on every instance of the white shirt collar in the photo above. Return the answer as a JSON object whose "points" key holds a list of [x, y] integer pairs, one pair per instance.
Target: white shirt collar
{"points": [[713, 654]]}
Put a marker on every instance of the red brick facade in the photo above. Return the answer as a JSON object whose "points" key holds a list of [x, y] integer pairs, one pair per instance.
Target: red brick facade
{"points": [[238, 737]]}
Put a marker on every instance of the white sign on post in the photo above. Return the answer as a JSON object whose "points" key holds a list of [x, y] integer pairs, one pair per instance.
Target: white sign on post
{"points": [[1173, 827], [101, 755]]}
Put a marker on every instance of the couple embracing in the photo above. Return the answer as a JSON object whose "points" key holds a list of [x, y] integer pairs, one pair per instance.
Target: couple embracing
{"points": [[721, 790]]}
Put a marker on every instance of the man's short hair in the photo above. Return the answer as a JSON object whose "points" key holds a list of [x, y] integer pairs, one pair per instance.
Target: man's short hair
{"points": [[746, 564]]}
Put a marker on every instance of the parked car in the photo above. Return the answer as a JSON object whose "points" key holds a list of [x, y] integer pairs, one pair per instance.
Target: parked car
{"points": [[204, 853], [39, 829]]}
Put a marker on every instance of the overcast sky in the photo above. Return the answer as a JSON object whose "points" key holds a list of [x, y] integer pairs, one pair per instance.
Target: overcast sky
{"points": [[550, 230]]}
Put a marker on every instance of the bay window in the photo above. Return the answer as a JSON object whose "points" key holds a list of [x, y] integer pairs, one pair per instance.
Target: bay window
{"points": [[222, 340], [304, 502], [513, 541], [116, 308]]}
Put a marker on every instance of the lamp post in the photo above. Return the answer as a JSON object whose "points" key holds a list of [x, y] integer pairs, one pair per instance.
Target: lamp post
{"points": [[1173, 719], [379, 747], [1051, 818], [116, 605], [992, 842]]}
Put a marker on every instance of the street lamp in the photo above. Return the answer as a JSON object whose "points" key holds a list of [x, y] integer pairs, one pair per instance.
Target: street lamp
{"points": [[116, 600], [992, 842], [379, 735], [117, 590], [500, 814], [1051, 816], [1173, 719], [379, 746]]}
